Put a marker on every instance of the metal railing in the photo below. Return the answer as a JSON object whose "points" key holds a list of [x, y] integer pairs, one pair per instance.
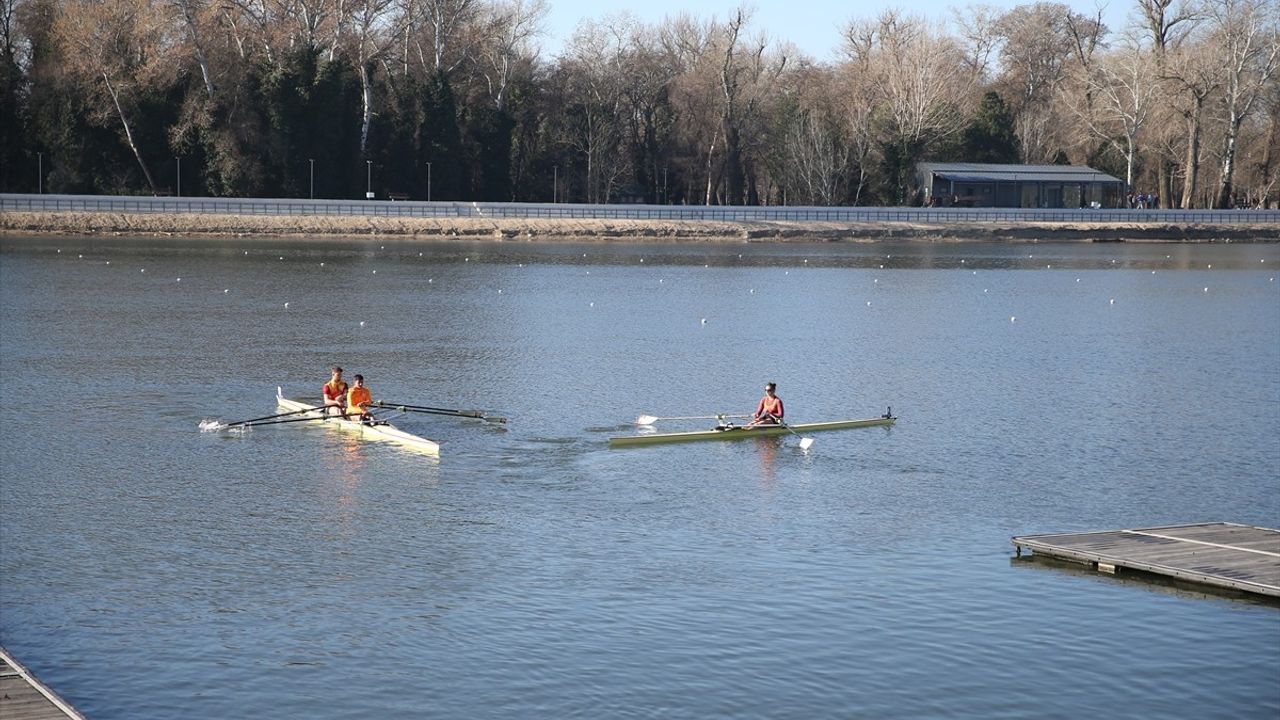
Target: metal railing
{"points": [[384, 208]]}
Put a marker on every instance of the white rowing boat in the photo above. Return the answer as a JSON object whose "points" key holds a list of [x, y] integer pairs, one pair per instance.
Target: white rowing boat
{"points": [[740, 432], [381, 431]]}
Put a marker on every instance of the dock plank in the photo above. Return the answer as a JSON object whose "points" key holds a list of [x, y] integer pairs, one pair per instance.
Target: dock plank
{"points": [[1229, 555], [23, 697]]}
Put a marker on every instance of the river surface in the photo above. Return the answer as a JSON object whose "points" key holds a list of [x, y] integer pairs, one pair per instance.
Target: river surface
{"points": [[151, 570]]}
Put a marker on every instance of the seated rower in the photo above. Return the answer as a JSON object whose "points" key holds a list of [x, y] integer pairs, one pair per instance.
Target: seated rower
{"points": [[335, 393], [769, 411], [358, 401]]}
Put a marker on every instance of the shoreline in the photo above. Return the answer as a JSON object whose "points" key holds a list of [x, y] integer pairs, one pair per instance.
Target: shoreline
{"points": [[602, 230]]}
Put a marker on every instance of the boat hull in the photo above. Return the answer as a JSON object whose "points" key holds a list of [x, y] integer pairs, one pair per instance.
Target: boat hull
{"points": [[389, 433], [741, 433]]}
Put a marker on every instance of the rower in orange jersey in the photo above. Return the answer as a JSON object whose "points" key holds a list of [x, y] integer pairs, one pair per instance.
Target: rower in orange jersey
{"points": [[358, 401], [769, 411], [335, 393]]}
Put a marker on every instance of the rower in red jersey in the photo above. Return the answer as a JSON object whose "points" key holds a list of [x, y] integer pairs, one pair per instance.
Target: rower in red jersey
{"points": [[769, 411]]}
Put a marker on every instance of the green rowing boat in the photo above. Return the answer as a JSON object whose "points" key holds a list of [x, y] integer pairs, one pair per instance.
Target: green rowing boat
{"points": [[738, 432]]}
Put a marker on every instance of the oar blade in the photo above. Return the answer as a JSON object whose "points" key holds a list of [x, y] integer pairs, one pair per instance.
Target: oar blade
{"points": [[805, 442], [646, 420]]}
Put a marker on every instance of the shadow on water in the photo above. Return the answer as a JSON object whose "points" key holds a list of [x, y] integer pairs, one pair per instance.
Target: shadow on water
{"points": [[1153, 582]]}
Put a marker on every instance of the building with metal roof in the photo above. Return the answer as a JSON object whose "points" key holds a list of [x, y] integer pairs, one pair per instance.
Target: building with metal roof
{"points": [[1025, 186]]}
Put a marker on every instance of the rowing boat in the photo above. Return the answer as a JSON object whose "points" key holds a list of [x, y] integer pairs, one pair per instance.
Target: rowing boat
{"points": [[738, 432], [380, 431]]}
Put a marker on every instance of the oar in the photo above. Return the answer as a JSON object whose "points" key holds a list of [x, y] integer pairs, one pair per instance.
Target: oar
{"points": [[805, 442], [268, 417], [439, 411], [650, 419]]}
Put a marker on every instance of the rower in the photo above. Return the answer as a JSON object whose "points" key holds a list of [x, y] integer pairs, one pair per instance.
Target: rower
{"points": [[335, 393], [769, 411], [358, 401]]}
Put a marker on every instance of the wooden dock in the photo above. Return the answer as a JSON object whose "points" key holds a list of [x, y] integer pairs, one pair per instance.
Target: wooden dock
{"points": [[23, 697], [1225, 555]]}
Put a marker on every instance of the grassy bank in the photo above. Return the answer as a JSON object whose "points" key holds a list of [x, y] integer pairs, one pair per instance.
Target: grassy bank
{"points": [[88, 223]]}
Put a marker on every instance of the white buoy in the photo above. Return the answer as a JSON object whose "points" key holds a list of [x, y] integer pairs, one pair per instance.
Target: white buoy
{"points": [[226, 290], [466, 259], [419, 254], [382, 247], [876, 280], [984, 289], [375, 272], [286, 306], [787, 272], [1013, 318], [868, 303], [178, 280], [499, 291], [1113, 301], [321, 264], [975, 272], [753, 291], [704, 321], [361, 323], [641, 259], [246, 252], [806, 261], [108, 262], [142, 270], [1077, 279], [1206, 289], [80, 256], [1210, 266]]}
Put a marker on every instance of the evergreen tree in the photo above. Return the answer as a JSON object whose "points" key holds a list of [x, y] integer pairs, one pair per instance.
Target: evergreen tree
{"points": [[990, 137]]}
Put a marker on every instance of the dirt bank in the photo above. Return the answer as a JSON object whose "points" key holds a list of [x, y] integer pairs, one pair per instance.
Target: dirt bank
{"points": [[86, 223]]}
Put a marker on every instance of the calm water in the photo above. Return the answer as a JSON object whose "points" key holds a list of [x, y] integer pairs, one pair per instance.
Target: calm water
{"points": [[148, 570]]}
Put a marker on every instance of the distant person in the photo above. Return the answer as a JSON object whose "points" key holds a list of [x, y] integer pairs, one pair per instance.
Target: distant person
{"points": [[358, 401], [769, 411], [335, 393]]}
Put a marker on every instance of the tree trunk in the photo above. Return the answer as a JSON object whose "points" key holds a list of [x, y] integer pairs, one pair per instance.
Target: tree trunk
{"points": [[1192, 164], [199, 46], [1225, 183], [711, 152], [128, 134], [366, 96]]}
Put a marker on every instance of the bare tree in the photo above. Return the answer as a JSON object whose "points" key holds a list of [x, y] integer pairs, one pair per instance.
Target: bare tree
{"points": [[1248, 36], [116, 49], [509, 28], [1124, 87]]}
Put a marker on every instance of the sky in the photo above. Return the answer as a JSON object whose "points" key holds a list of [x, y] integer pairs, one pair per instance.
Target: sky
{"points": [[813, 26]]}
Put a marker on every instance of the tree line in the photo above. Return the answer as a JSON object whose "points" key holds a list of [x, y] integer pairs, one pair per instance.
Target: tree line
{"points": [[454, 100]]}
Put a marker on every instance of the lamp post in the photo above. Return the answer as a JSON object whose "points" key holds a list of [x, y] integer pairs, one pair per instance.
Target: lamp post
{"points": [[428, 182], [179, 176], [40, 173], [312, 161], [555, 183], [368, 180]]}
